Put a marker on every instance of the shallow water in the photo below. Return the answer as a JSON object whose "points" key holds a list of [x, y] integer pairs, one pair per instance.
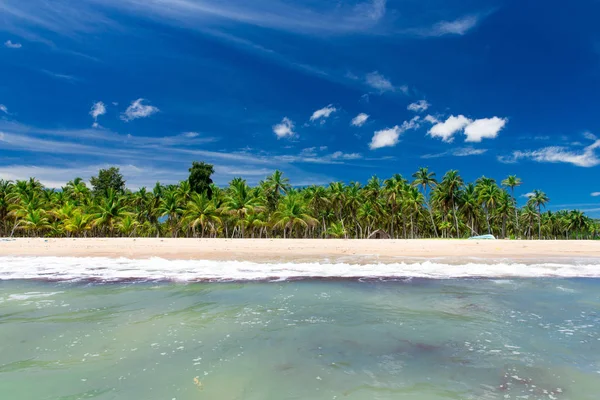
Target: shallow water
{"points": [[335, 339]]}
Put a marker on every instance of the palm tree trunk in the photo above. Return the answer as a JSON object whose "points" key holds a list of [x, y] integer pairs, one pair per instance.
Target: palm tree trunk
{"points": [[455, 217], [540, 222]]}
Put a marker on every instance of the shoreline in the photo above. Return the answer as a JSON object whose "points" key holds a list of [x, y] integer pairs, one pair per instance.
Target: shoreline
{"points": [[350, 251]]}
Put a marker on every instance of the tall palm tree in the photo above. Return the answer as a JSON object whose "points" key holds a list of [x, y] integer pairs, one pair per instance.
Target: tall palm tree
{"points": [[487, 195], [240, 202], [170, 207], [426, 180], [452, 183], [539, 199], [512, 182]]}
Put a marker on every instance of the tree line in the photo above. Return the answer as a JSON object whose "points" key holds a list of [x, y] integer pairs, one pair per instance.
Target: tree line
{"points": [[419, 207]]}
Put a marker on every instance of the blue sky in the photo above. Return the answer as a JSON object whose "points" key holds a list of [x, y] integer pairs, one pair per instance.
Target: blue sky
{"points": [[334, 90]]}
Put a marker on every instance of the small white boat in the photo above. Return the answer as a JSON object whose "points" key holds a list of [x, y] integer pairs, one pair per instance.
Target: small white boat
{"points": [[483, 237]]}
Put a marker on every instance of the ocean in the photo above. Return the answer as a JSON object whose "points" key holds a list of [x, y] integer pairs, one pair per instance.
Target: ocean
{"points": [[154, 329]]}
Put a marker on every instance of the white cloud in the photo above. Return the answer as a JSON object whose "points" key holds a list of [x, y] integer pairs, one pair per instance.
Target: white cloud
{"points": [[485, 128], [474, 130], [446, 130], [595, 194], [138, 110], [338, 155], [459, 152], [385, 138], [419, 106], [528, 195], [468, 151], [12, 45], [190, 134], [324, 113], [558, 154], [284, 129], [389, 137], [431, 119], [382, 84], [3, 109], [459, 26], [97, 110], [360, 119]]}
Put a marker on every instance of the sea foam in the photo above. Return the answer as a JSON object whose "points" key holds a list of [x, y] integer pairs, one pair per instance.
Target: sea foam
{"points": [[157, 269]]}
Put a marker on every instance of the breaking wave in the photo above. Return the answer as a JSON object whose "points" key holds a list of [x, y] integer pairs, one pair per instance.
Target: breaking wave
{"points": [[157, 269]]}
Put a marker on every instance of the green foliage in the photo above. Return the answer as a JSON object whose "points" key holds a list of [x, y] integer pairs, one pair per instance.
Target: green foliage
{"points": [[108, 179], [199, 179], [423, 208]]}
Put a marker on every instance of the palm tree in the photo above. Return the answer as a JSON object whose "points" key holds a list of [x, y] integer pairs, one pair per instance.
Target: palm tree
{"points": [[292, 213], [452, 184], [393, 191], [539, 199], [111, 208], [275, 186], [426, 180], [201, 212], [487, 195], [35, 221], [336, 230], [171, 208], [240, 202], [318, 201], [78, 223], [512, 182], [127, 225]]}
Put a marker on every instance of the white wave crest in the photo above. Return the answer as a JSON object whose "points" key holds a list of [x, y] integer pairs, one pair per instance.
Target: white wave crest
{"points": [[157, 269]]}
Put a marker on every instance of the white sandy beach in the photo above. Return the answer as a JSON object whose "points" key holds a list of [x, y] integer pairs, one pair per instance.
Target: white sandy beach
{"points": [[290, 250]]}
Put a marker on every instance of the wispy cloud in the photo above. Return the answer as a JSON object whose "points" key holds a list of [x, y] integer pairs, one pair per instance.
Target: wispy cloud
{"points": [[390, 137], [595, 194], [381, 84], [97, 110], [312, 155], [12, 45], [360, 119], [104, 146], [418, 106], [3, 109], [323, 113], [296, 17], [138, 110], [458, 26], [585, 157], [284, 129], [69, 78], [459, 152]]}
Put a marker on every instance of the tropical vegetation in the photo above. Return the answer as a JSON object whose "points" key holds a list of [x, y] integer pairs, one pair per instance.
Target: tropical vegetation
{"points": [[421, 206]]}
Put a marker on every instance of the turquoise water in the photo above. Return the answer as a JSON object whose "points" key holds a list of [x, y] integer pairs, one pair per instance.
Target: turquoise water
{"points": [[406, 339]]}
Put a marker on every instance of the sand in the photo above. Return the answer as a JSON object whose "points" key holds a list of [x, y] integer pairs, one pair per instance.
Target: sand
{"points": [[278, 250]]}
